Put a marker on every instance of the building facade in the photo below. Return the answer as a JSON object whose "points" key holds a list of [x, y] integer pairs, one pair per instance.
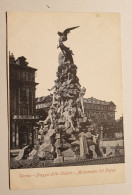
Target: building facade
{"points": [[42, 106], [22, 88], [99, 110], [95, 109]]}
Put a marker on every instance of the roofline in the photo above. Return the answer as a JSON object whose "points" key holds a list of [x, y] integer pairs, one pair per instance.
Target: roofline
{"points": [[21, 66], [98, 100]]}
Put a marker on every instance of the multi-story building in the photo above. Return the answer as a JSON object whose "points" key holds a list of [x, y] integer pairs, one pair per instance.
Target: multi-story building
{"points": [[22, 88], [42, 106], [99, 110], [103, 114]]}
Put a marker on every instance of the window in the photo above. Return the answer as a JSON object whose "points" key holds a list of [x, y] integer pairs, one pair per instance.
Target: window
{"points": [[30, 102], [23, 109], [23, 75], [87, 105], [23, 95], [30, 78]]}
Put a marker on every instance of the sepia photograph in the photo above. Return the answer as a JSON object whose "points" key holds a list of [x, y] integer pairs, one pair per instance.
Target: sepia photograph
{"points": [[64, 98], [65, 89]]}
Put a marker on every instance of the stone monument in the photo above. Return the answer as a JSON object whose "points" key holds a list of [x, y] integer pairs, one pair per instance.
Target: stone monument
{"points": [[65, 132]]}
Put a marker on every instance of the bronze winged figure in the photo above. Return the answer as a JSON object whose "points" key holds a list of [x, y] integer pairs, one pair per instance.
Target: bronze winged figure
{"points": [[63, 35], [65, 50]]}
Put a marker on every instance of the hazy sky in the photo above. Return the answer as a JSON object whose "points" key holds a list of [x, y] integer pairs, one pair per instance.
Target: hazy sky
{"points": [[96, 46]]}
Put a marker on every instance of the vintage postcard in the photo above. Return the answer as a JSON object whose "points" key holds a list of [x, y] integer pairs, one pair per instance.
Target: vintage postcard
{"points": [[65, 99]]}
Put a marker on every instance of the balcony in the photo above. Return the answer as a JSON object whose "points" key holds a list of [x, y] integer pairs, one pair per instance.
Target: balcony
{"points": [[31, 117]]}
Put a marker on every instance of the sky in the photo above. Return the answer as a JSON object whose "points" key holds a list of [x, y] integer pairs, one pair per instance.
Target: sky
{"points": [[96, 45]]}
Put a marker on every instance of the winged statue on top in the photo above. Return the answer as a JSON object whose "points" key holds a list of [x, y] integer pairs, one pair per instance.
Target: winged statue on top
{"points": [[62, 38]]}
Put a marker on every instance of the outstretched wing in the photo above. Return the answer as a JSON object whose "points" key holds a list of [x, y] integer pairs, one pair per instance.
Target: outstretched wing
{"points": [[66, 31]]}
